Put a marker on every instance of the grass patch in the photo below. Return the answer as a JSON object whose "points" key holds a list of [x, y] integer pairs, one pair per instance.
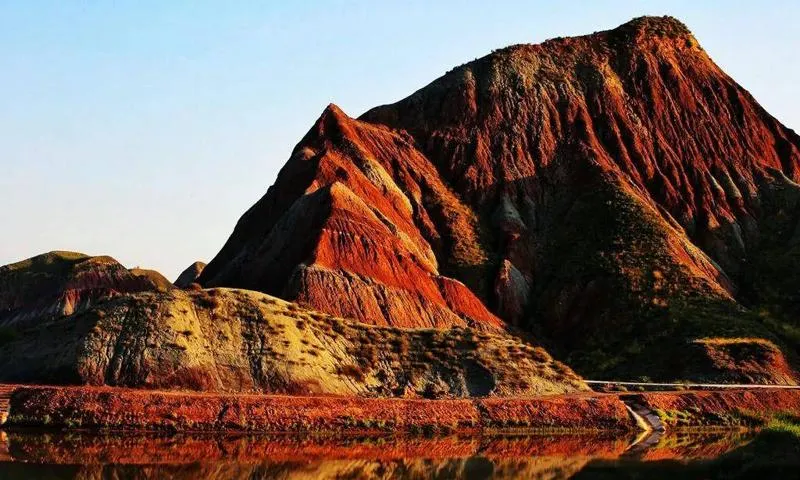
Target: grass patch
{"points": [[785, 423]]}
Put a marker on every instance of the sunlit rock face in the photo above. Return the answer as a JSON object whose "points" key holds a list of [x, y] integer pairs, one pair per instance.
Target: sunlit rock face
{"points": [[352, 227], [245, 341]]}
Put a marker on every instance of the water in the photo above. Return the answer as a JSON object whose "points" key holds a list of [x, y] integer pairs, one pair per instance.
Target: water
{"points": [[43, 455]]}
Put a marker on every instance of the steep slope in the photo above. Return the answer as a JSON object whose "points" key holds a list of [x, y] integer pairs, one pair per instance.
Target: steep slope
{"points": [[59, 283], [347, 228], [617, 193], [244, 341]]}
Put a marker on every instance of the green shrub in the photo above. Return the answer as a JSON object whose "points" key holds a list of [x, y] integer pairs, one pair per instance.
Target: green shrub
{"points": [[7, 335]]}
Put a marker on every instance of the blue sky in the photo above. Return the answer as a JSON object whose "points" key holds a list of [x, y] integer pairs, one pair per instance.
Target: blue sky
{"points": [[144, 129]]}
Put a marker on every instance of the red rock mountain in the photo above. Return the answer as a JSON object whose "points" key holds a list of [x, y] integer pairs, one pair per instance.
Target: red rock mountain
{"points": [[617, 194], [351, 224]]}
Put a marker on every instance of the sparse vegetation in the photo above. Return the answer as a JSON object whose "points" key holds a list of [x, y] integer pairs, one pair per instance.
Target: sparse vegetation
{"points": [[284, 341], [206, 300]]}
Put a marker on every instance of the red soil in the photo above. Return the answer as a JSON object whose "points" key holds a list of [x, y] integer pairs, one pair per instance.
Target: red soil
{"points": [[586, 411], [99, 407], [107, 407]]}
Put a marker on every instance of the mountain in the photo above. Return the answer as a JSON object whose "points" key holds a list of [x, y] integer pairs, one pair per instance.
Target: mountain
{"points": [[617, 194], [95, 325]]}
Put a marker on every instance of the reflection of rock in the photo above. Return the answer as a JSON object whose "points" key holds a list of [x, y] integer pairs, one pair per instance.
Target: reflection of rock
{"points": [[5, 395], [289, 457], [697, 445], [468, 468], [185, 457], [151, 448]]}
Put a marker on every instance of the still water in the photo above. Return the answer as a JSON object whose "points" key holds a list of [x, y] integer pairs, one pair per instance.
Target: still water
{"points": [[48, 455]]}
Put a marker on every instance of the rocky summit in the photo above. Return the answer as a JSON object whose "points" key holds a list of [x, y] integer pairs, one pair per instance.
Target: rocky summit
{"points": [[616, 194]]}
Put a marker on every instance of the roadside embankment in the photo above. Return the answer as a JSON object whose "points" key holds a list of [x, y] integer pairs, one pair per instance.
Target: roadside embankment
{"points": [[126, 409]]}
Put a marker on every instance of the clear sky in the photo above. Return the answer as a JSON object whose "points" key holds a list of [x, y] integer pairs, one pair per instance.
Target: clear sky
{"points": [[144, 129]]}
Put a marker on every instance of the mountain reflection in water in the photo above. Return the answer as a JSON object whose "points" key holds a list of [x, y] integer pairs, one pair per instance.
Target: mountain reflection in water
{"points": [[40, 455]]}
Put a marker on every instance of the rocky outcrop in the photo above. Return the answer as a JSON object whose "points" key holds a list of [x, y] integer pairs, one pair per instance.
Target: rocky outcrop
{"points": [[59, 283], [616, 192], [244, 341], [512, 292], [189, 275], [350, 227]]}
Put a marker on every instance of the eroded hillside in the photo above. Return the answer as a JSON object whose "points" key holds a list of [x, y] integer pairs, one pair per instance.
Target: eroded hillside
{"points": [[616, 194], [244, 341]]}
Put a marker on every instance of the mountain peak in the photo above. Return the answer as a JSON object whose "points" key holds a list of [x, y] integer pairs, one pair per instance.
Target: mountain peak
{"points": [[652, 29], [664, 26], [333, 113]]}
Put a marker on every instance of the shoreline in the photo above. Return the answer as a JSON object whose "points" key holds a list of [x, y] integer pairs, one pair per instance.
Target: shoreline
{"points": [[121, 409]]}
